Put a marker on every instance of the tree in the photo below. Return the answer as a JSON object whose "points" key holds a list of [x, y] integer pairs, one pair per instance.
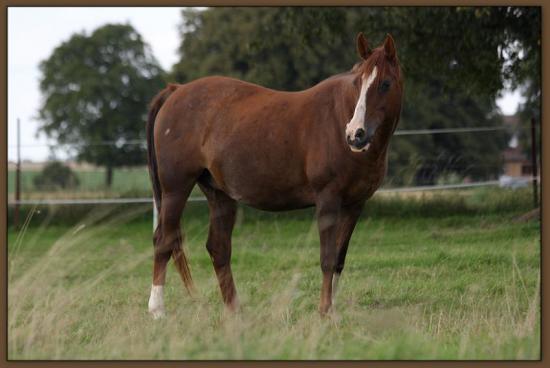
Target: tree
{"points": [[456, 60], [248, 43], [476, 49], [96, 89], [55, 175]]}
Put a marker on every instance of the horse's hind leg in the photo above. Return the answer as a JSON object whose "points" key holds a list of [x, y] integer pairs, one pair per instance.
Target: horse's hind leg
{"points": [[223, 211], [168, 242], [160, 259]]}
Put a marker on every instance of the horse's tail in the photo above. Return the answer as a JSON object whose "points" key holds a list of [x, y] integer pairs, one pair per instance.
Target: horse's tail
{"points": [[154, 108], [177, 252]]}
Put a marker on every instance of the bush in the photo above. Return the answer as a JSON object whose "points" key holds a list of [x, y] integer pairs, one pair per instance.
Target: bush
{"points": [[55, 176]]}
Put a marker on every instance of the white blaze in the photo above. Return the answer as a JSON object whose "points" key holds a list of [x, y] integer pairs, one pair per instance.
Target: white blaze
{"points": [[358, 119], [156, 301]]}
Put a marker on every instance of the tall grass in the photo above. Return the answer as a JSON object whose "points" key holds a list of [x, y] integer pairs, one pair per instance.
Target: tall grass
{"points": [[463, 285]]}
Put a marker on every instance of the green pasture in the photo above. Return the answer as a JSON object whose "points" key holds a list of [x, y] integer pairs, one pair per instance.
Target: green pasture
{"points": [[443, 276]]}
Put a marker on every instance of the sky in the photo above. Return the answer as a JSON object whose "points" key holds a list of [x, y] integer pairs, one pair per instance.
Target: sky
{"points": [[34, 32]]}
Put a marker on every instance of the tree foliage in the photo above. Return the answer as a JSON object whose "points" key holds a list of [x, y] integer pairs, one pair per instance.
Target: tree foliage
{"points": [[247, 43], [55, 176], [456, 60], [96, 89]]}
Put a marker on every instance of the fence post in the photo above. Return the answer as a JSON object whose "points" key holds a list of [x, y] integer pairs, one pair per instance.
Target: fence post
{"points": [[534, 162], [17, 177]]}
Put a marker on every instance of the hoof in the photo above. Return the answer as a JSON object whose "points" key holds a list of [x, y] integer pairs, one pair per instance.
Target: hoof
{"points": [[157, 313], [233, 307], [326, 310]]}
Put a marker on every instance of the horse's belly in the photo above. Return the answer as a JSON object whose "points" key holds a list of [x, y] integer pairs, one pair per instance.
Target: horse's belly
{"points": [[272, 186], [277, 202], [266, 194]]}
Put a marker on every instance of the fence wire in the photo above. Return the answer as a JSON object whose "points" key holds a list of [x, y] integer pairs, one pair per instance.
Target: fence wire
{"points": [[202, 199], [135, 142], [405, 132]]}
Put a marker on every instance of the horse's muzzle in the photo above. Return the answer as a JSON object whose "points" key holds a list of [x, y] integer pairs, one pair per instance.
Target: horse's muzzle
{"points": [[360, 140]]}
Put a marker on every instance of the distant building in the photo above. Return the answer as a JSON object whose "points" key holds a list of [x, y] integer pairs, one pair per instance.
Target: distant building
{"points": [[516, 162], [517, 168]]}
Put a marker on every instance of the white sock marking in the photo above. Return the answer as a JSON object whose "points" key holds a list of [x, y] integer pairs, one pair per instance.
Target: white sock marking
{"points": [[156, 301]]}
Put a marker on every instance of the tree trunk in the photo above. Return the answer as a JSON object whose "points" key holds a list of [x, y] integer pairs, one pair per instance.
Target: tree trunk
{"points": [[109, 177]]}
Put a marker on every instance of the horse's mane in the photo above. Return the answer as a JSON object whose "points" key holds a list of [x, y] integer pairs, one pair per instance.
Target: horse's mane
{"points": [[378, 59]]}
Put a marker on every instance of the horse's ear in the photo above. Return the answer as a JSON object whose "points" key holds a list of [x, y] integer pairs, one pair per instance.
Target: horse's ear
{"points": [[363, 48], [389, 47]]}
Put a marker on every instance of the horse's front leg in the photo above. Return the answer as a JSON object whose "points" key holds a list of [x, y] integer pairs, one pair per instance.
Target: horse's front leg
{"points": [[346, 223], [328, 209]]}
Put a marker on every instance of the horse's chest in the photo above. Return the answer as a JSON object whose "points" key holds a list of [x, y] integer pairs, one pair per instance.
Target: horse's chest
{"points": [[363, 184]]}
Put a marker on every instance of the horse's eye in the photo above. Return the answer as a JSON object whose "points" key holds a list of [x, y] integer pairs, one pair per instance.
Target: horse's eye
{"points": [[385, 86]]}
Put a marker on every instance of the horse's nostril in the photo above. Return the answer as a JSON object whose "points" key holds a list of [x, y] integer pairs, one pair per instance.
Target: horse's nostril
{"points": [[360, 133]]}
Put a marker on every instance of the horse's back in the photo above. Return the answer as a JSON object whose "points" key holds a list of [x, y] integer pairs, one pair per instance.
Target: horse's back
{"points": [[217, 89]]}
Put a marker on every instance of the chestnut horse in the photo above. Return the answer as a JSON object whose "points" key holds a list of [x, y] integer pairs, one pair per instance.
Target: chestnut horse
{"points": [[326, 147]]}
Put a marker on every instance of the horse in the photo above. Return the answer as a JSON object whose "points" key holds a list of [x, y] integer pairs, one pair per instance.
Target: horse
{"points": [[325, 146]]}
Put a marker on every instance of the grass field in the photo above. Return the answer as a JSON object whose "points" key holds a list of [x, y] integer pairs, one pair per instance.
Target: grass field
{"points": [[433, 277]]}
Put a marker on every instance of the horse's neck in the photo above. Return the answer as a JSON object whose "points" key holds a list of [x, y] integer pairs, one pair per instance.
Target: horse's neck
{"points": [[344, 95]]}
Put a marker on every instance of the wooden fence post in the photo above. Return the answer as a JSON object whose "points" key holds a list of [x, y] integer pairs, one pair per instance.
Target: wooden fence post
{"points": [[17, 177], [534, 163]]}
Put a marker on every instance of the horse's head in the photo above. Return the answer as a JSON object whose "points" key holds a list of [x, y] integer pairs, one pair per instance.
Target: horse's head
{"points": [[379, 104]]}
